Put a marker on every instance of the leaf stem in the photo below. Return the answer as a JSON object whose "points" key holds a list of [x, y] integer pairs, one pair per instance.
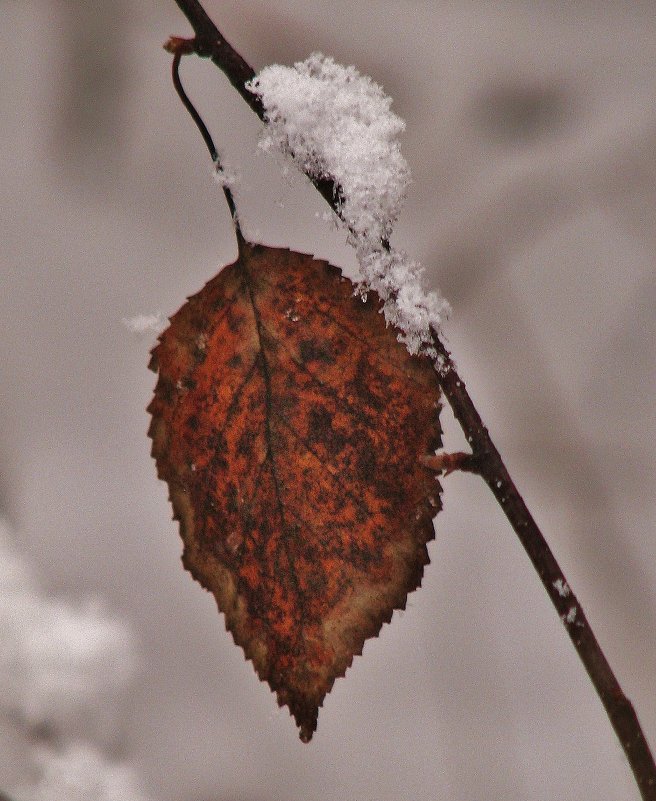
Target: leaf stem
{"points": [[210, 43], [180, 47]]}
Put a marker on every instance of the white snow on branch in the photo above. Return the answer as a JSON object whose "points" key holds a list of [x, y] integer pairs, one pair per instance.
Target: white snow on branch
{"points": [[397, 280], [224, 176], [337, 124]]}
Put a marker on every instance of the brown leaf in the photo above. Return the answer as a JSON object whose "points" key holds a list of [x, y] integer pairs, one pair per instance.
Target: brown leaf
{"points": [[290, 424]]}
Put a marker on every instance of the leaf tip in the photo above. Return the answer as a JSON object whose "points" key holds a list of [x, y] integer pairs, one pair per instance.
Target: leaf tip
{"points": [[305, 733]]}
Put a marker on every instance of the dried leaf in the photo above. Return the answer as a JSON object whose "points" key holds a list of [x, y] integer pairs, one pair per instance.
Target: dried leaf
{"points": [[290, 424]]}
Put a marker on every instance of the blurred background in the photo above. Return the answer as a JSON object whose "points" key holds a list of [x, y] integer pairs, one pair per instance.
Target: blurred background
{"points": [[531, 133]]}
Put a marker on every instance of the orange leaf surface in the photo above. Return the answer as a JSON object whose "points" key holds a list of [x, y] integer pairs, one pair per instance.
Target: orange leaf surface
{"points": [[289, 424]]}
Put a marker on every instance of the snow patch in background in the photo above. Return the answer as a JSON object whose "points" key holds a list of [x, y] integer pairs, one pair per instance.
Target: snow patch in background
{"points": [[63, 669], [81, 773]]}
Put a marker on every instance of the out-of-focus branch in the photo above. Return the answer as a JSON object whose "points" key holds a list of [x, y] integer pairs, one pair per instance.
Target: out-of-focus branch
{"points": [[485, 458]]}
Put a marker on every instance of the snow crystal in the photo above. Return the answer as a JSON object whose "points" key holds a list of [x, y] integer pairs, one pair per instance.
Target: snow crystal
{"points": [[337, 124], [224, 176], [562, 587], [81, 773], [145, 323], [405, 303]]}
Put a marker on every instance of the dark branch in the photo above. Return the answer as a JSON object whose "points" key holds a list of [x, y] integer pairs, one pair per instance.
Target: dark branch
{"points": [[210, 43], [493, 471]]}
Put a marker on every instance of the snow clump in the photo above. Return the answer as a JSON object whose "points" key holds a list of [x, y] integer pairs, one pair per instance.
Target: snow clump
{"points": [[336, 124], [145, 323]]}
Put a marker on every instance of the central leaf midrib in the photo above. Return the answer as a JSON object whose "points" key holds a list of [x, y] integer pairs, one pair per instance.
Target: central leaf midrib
{"points": [[268, 414]]}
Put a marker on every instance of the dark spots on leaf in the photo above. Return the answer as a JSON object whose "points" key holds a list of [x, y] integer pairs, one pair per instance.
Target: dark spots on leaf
{"points": [[235, 361], [216, 442], [235, 321], [245, 443], [315, 581], [217, 446], [199, 352], [231, 498], [166, 390], [367, 464], [362, 557], [320, 430], [361, 387], [193, 422], [392, 493], [319, 423], [316, 351]]}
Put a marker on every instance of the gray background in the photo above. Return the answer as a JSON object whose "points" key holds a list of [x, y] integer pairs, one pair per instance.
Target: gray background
{"points": [[532, 138]]}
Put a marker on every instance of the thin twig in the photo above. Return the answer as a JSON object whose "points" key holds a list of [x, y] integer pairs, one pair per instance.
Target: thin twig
{"points": [[180, 47], [450, 462], [209, 42]]}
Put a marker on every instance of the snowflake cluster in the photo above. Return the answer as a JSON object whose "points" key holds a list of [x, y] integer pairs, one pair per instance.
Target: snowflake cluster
{"points": [[145, 323], [337, 124]]}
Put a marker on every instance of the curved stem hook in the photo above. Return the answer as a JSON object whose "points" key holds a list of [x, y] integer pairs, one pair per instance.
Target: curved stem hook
{"points": [[180, 47]]}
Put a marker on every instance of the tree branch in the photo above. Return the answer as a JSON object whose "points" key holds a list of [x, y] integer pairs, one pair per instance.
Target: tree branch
{"points": [[209, 43], [493, 471]]}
